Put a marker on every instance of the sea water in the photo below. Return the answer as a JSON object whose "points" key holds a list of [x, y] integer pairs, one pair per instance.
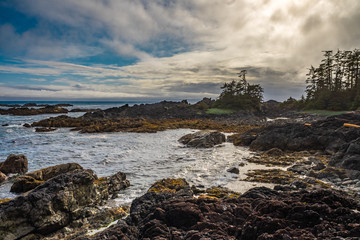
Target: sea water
{"points": [[144, 157]]}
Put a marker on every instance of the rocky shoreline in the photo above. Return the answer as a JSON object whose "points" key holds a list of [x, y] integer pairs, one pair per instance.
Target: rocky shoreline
{"points": [[314, 163]]}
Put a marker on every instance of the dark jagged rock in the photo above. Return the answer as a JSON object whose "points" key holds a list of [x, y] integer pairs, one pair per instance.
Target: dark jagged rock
{"points": [[31, 180], [14, 164], [27, 125], [260, 213], [327, 135], [203, 139], [57, 203]]}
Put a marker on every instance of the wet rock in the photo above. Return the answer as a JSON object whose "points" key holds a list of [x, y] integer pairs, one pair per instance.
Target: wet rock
{"points": [[33, 179], [56, 203], [234, 170], [203, 139], [3, 177], [45, 129], [14, 164], [5, 125], [27, 125]]}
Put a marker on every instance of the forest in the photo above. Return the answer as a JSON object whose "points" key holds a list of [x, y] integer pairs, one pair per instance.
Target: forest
{"points": [[335, 83]]}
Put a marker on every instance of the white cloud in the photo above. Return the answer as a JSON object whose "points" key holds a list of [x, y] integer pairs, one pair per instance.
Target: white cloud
{"points": [[217, 38]]}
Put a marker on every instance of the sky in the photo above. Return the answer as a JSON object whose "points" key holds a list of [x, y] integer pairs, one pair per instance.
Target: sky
{"points": [[166, 49]]}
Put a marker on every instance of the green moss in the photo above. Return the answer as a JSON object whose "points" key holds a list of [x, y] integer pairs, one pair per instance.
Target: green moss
{"points": [[219, 111], [324, 112]]}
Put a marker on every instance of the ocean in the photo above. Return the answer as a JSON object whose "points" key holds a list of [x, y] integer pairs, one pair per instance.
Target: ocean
{"points": [[144, 157]]}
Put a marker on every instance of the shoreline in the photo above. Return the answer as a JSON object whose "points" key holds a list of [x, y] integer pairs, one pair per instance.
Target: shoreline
{"points": [[285, 165]]}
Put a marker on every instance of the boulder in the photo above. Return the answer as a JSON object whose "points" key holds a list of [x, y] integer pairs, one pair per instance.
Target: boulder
{"points": [[203, 139], [31, 180], [3, 177], [234, 170], [57, 203], [14, 164]]}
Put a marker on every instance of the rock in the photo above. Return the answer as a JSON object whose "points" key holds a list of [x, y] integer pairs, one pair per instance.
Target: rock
{"points": [[27, 125], [260, 213], [3, 177], [45, 129], [298, 168], [274, 152], [33, 179], [5, 125], [14, 164], [25, 111], [233, 170], [348, 157], [203, 139], [327, 135], [57, 203]]}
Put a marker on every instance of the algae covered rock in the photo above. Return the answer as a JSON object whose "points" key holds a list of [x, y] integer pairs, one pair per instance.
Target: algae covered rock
{"points": [[14, 164], [33, 179], [203, 139]]}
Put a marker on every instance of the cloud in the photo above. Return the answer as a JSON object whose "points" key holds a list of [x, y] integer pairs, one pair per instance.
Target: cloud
{"points": [[180, 47]]}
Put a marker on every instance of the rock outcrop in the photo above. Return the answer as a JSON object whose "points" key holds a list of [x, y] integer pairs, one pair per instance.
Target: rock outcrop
{"points": [[203, 139], [57, 203], [326, 135], [31, 180], [24, 111], [14, 164], [260, 213]]}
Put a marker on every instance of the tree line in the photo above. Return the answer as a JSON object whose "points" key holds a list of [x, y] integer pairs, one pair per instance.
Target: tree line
{"points": [[335, 83]]}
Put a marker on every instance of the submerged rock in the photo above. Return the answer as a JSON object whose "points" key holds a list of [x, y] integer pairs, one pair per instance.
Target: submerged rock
{"points": [[33, 179], [203, 139], [45, 129], [57, 203], [14, 164]]}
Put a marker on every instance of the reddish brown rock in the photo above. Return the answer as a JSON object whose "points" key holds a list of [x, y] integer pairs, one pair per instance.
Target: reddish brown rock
{"points": [[14, 164]]}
